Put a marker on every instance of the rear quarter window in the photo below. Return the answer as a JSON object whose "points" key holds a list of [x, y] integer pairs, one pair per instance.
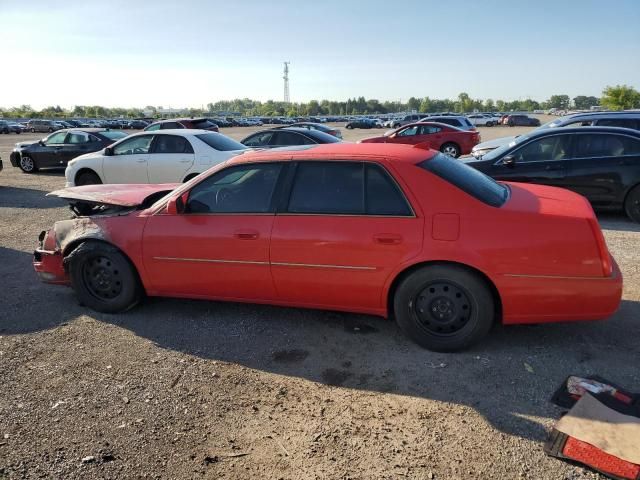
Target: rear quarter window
{"points": [[467, 179]]}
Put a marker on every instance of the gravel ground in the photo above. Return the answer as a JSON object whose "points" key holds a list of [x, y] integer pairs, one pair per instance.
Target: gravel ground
{"points": [[194, 389]]}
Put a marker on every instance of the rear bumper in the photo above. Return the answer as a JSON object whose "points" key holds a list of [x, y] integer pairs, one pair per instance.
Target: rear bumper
{"points": [[545, 299]]}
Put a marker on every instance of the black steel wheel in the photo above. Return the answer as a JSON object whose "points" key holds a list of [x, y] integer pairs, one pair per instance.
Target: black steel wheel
{"points": [[444, 307], [87, 177], [103, 278], [632, 204]]}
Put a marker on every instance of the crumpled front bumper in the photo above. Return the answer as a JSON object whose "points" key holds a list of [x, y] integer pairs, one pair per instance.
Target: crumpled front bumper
{"points": [[47, 261]]}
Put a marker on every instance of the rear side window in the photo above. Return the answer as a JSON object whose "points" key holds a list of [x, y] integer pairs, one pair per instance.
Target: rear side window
{"points": [[170, 125], [171, 144], [605, 145], [220, 142], [258, 140], [204, 124], [620, 122], [346, 188], [113, 135], [289, 138], [467, 179]]}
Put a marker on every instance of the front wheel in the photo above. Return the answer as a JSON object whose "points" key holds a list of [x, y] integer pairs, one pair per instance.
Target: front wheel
{"points": [[632, 204], [103, 278], [444, 308], [88, 178], [450, 149], [27, 165]]}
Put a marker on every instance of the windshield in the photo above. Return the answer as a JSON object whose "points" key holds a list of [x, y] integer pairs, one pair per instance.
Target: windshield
{"points": [[497, 152], [467, 179], [112, 135], [220, 142]]}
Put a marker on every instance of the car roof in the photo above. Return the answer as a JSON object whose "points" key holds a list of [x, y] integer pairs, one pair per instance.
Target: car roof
{"points": [[339, 152], [596, 129], [625, 113], [174, 131], [87, 130]]}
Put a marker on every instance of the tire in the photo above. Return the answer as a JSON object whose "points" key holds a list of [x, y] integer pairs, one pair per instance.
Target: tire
{"points": [[632, 204], [349, 127], [27, 164], [444, 308], [450, 149], [87, 177], [103, 278], [51, 130]]}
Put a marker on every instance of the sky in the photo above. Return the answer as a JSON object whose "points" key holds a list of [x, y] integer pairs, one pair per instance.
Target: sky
{"points": [[188, 53]]}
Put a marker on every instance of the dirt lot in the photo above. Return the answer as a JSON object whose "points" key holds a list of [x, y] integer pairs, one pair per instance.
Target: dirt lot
{"points": [[193, 389]]}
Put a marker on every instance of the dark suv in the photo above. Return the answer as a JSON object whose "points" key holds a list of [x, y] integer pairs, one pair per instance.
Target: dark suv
{"points": [[458, 121], [190, 123], [522, 121]]}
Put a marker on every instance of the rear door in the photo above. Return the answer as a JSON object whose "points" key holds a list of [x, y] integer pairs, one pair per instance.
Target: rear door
{"points": [[603, 166], [170, 158], [78, 143], [542, 161], [345, 228], [128, 164]]}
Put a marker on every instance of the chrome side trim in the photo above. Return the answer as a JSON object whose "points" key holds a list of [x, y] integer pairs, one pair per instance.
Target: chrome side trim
{"points": [[207, 260], [558, 277], [311, 265]]}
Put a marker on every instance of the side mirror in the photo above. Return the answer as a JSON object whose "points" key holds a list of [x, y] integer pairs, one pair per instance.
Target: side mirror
{"points": [[176, 205], [509, 161], [108, 151], [41, 142]]}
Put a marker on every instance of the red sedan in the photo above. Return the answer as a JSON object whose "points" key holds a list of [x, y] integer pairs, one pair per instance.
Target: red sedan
{"points": [[389, 230], [449, 140]]}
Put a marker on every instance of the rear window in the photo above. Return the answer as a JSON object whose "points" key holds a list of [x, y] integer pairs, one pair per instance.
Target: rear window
{"points": [[113, 135], [220, 142], [467, 179]]}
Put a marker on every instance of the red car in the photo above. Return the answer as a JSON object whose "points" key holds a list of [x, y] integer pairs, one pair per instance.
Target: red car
{"points": [[389, 230], [449, 140]]}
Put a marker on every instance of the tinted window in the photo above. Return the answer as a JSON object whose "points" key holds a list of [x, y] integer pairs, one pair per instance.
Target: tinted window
{"points": [[133, 146], [56, 138], [605, 145], [328, 187], [206, 123], [170, 125], [258, 140], [171, 144], [429, 129], [220, 142], [383, 196], [242, 189], [467, 179], [285, 139], [409, 131], [620, 122], [549, 148]]}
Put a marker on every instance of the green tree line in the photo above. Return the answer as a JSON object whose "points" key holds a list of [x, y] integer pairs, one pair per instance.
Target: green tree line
{"points": [[618, 97]]}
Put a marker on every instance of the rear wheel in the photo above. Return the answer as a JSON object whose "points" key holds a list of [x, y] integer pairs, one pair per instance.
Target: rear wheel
{"points": [[87, 178], [27, 165], [632, 204], [103, 278], [450, 149], [444, 308]]}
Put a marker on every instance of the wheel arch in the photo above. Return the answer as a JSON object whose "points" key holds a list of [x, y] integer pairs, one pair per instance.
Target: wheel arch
{"points": [[400, 276], [69, 248], [85, 170]]}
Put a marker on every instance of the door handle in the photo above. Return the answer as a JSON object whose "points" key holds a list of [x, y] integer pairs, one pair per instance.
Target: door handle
{"points": [[246, 234], [387, 239]]}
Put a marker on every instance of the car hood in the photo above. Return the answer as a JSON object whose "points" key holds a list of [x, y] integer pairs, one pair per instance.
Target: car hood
{"points": [[21, 145], [122, 195], [495, 143]]}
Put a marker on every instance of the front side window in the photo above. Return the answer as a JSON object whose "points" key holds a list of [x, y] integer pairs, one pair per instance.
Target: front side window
{"points": [[605, 145], [286, 139], [133, 146], [56, 138], [172, 144], [409, 131], [258, 140], [549, 148], [241, 189], [152, 128]]}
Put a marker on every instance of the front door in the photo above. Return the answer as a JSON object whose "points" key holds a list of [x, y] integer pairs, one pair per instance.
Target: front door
{"points": [[542, 161], [50, 154], [347, 225], [128, 164], [219, 246]]}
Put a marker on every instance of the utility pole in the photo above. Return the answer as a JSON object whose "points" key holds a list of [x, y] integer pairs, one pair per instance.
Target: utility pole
{"points": [[286, 82]]}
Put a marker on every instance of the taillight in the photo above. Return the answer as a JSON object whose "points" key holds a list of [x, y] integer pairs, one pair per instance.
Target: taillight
{"points": [[605, 256]]}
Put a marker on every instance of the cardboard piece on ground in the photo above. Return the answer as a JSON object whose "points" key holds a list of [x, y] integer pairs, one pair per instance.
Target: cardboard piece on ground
{"points": [[610, 431]]}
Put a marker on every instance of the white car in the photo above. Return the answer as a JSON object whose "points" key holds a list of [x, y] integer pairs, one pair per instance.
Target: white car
{"points": [[481, 120], [162, 156]]}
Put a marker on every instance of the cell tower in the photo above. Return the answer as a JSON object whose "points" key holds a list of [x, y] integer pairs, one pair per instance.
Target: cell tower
{"points": [[286, 82]]}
